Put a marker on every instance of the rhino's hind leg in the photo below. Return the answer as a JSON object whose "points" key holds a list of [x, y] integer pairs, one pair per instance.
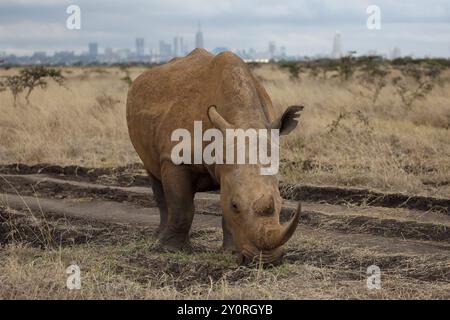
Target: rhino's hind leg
{"points": [[158, 192], [228, 243], [179, 195]]}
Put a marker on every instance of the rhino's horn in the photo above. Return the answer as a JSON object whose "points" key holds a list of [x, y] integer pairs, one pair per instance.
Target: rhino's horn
{"points": [[270, 238]]}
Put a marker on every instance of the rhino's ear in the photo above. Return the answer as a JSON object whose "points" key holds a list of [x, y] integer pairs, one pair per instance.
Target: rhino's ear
{"points": [[288, 121], [217, 120]]}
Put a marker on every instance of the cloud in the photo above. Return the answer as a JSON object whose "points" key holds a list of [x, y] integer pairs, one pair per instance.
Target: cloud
{"points": [[302, 26]]}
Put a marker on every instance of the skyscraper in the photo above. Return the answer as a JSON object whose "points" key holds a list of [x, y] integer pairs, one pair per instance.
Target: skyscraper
{"points": [[337, 46], [176, 46], [182, 49], [283, 51], [140, 50], [272, 49], [165, 50], [199, 38], [93, 50], [395, 53]]}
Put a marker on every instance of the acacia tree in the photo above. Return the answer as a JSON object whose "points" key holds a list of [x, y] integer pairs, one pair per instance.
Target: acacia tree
{"points": [[14, 84], [373, 76], [413, 84], [127, 77], [37, 77], [30, 78], [293, 68], [346, 65]]}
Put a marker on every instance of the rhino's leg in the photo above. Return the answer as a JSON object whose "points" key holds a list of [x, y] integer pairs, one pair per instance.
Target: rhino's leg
{"points": [[228, 243], [158, 192], [179, 194]]}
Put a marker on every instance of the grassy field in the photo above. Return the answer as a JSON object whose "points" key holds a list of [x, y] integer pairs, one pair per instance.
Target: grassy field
{"points": [[344, 138], [123, 261], [347, 138]]}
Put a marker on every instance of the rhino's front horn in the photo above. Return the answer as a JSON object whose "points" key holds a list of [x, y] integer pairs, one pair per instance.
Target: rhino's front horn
{"points": [[272, 238], [290, 226]]}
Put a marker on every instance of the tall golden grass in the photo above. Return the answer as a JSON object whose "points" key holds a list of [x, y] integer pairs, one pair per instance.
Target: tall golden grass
{"points": [[343, 139]]}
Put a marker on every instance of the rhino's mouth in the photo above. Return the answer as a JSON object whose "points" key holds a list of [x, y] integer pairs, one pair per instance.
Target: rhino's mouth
{"points": [[255, 256]]}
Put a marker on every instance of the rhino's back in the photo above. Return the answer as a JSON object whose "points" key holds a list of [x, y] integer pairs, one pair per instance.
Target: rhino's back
{"points": [[163, 99], [157, 89]]}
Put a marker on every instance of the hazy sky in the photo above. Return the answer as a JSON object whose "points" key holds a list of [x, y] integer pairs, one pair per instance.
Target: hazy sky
{"points": [[304, 27]]}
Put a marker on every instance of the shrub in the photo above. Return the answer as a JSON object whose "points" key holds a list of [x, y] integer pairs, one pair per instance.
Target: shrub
{"points": [[29, 79], [37, 77], [413, 84], [373, 76]]}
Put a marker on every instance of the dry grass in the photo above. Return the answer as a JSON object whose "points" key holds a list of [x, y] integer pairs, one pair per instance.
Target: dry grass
{"points": [[132, 269], [379, 146], [83, 124]]}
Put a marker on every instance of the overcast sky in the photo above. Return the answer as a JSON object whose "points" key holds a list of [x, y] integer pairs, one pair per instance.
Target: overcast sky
{"points": [[304, 27]]}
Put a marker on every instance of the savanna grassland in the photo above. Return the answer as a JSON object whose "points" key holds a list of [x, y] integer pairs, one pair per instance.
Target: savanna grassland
{"points": [[80, 195], [345, 137]]}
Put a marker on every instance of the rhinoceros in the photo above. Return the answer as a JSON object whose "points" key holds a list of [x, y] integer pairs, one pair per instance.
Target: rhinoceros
{"points": [[221, 92]]}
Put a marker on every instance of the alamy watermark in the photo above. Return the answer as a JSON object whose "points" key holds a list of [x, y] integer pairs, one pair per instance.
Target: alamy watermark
{"points": [[374, 278], [74, 279], [249, 146], [73, 21], [374, 19]]}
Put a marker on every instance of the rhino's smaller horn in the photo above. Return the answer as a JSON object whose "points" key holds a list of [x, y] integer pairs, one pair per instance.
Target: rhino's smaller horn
{"points": [[217, 120]]}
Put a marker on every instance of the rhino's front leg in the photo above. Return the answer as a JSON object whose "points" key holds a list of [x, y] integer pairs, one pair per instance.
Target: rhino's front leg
{"points": [[160, 198], [179, 194]]}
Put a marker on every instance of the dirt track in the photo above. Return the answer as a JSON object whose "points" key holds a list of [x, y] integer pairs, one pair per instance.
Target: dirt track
{"points": [[399, 236]]}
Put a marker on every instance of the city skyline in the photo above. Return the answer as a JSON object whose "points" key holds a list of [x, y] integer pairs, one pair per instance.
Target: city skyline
{"points": [[166, 51], [303, 27]]}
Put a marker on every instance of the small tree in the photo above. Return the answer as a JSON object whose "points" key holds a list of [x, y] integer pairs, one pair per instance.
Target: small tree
{"points": [[293, 67], [15, 85], [313, 70], [30, 78], [127, 78], [412, 85], [37, 77], [327, 65], [346, 66], [373, 76], [433, 70]]}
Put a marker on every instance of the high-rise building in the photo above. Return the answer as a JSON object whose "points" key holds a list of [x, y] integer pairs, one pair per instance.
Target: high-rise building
{"points": [[93, 49], [283, 51], [272, 49], [63, 56], [199, 38], [140, 49], [39, 55], [176, 47], [109, 55], [165, 50], [124, 54], [395, 53], [182, 48], [336, 53]]}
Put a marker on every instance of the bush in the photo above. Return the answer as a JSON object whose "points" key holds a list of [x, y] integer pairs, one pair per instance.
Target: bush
{"points": [[414, 83], [29, 79]]}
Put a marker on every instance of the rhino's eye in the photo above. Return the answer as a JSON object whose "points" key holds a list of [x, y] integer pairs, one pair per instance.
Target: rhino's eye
{"points": [[234, 206]]}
